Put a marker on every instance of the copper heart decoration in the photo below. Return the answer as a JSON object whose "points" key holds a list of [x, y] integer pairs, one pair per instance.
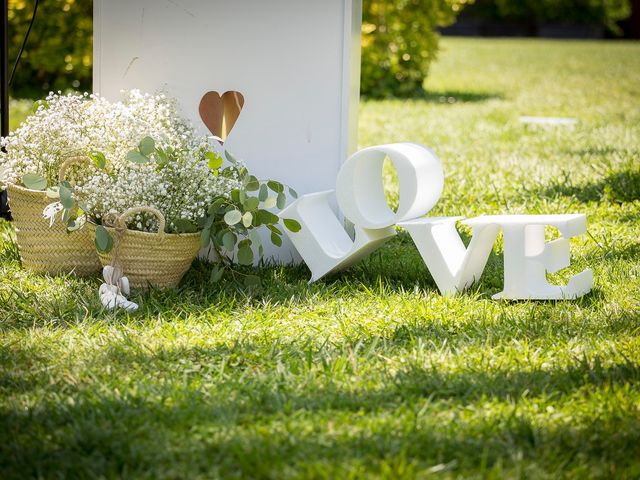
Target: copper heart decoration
{"points": [[220, 113]]}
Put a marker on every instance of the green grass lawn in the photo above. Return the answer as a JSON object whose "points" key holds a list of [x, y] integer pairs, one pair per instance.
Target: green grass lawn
{"points": [[371, 373]]}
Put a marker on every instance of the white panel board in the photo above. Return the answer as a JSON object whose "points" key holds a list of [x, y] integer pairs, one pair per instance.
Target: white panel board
{"points": [[297, 63]]}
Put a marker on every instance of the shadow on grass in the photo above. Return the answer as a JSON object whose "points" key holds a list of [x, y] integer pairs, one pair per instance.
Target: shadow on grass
{"points": [[62, 301], [151, 441], [247, 423], [446, 97], [619, 187], [396, 272], [247, 363], [457, 96]]}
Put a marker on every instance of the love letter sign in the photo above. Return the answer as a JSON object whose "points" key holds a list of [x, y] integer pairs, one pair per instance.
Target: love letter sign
{"points": [[326, 247]]}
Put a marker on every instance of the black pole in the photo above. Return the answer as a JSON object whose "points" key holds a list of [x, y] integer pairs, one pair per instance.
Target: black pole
{"points": [[4, 92], [4, 65]]}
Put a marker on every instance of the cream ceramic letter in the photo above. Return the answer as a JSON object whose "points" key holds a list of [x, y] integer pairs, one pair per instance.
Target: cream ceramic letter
{"points": [[528, 258], [453, 267], [323, 242], [360, 189]]}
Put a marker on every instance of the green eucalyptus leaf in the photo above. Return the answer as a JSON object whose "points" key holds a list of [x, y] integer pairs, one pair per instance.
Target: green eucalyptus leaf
{"points": [[53, 192], [215, 206], [275, 186], [253, 186], [270, 202], [146, 146], [264, 193], [137, 157], [230, 157], [39, 103], [292, 225], [251, 183], [216, 274], [235, 195], [245, 255], [247, 219], [274, 229], [98, 159], [33, 181], [215, 161], [254, 236], [162, 155], [75, 224], [205, 237], [104, 242], [265, 217], [217, 237], [66, 216], [251, 203], [242, 196], [276, 239], [281, 201], [233, 217], [183, 225], [293, 193], [229, 240], [66, 197]]}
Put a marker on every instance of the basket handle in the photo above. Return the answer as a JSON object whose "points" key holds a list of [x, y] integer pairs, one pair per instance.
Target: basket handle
{"points": [[69, 162], [120, 222]]}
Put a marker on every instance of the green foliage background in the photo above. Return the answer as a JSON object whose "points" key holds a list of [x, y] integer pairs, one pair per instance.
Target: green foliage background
{"points": [[399, 42], [596, 12], [399, 38], [59, 53]]}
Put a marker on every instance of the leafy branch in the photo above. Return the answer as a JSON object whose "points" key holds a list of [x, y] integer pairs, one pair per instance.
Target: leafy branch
{"points": [[232, 222]]}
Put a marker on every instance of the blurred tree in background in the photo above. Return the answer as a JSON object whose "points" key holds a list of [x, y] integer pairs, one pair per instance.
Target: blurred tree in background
{"points": [[399, 42], [604, 13], [59, 53], [399, 38]]}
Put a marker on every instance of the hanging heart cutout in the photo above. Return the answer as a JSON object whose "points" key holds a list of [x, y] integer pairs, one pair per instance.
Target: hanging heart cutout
{"points": [[220, 113]]}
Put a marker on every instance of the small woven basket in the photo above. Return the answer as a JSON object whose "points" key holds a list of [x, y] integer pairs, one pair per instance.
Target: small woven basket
{"points": [[150, 259], [44, 248]]}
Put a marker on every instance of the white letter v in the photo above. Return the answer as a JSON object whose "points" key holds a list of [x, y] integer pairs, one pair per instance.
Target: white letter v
{"points": [[453, 267]]}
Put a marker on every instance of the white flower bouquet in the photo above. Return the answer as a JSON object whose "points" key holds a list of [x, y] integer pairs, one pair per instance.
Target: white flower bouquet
{"points": [[153, 214], [152, 190], [32, 165], [29, 163]]}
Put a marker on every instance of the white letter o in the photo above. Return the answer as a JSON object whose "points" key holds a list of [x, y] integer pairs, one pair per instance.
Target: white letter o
{"points": [[360, 189]]}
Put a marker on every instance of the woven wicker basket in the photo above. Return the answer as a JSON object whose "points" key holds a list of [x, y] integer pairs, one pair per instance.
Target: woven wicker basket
{"points": [[44, 248], [151, 259]]}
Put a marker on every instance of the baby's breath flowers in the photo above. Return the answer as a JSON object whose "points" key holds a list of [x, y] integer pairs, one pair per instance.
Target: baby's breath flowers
{"points": [[177, 182], [143, 154], [64, 126]]}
